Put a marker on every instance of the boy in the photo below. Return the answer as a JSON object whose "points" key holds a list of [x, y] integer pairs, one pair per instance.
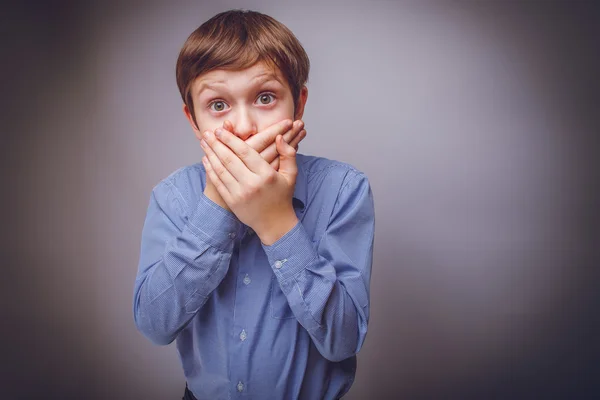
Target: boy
{"points": [[257, 260]]}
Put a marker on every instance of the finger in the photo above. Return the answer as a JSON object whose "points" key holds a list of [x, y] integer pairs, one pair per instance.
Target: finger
{"points": [[237, 156], [275, 163], [225, 151], [294, 143], [292, 133], [214, 179], [287, 160], [263, 139], [228, 125], [270, 152], [225, 177]]}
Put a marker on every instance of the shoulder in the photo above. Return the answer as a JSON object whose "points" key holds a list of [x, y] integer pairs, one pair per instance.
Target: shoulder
{"points": [[320, 170], [181, 189], [333, 188]]}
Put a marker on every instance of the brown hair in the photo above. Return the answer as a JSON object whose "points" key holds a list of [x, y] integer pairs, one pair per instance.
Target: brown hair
{"points": [[237, 39]]}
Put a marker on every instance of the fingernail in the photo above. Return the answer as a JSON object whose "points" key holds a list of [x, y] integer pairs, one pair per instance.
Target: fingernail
{"points": [[218, 132], [207, 134]]}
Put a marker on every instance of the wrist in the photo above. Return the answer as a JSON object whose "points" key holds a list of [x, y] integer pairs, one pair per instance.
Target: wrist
{"points": [[275, 231], [213, 195]]}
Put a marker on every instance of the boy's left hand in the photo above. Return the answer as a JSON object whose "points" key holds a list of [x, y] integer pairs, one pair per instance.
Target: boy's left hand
{"points": [[257, 194], [264, 142]]}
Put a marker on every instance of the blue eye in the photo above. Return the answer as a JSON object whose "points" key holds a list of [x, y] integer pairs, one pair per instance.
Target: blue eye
{"points": [[218, 105], [266, 98]]}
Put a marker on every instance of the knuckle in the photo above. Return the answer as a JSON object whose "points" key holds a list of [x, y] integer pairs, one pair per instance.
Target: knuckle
{"points": [[238, 196], [226, 160], [244, 152], [270, 177], [244, 197], [253, 186], [221, 172], [235, 201], [298, 125], [285, 126]]}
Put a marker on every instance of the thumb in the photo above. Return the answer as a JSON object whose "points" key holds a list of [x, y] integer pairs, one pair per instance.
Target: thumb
{"points": [[287, 159]]}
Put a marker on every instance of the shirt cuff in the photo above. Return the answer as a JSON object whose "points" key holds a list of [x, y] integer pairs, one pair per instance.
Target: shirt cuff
{"points": [[214, 224], [291, 253]]}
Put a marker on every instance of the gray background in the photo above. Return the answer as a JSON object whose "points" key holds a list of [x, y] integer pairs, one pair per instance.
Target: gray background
{"points": [[476, 123]]}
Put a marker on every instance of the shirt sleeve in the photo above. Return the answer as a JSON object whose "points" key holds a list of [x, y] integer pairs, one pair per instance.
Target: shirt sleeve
{"points": [[179, 266], [327, 284]]}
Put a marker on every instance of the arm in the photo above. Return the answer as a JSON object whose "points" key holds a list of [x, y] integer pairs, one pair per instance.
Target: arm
{"points": [[327, 286], [179, 266]]}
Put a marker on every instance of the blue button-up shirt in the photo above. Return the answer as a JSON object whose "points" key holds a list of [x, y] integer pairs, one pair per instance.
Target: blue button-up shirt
{"points": [[283, 321]]}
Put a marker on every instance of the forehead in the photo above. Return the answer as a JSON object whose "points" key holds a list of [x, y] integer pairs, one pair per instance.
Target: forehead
{"points": [[254, 75]]}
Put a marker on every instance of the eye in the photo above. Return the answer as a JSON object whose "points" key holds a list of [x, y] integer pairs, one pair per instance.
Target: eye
{"points": [[266, 98], [218, 105]]}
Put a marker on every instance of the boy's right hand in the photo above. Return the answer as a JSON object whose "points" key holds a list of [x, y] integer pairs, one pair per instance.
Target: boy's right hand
{"points": [[264, 143]]}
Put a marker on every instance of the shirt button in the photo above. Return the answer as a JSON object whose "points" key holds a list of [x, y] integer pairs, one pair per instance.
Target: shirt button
{"points": [[240, 386], [232, 235], [278, 264], [247, 280], [243, 335]]}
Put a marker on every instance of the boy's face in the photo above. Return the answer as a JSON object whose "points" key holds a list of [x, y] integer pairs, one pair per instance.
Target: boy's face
{"points": [[251, 99]]}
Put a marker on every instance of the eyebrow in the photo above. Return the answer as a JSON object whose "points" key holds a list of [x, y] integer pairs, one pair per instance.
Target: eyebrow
{"points": [[256, 81], [265, 77], [211, 86]]}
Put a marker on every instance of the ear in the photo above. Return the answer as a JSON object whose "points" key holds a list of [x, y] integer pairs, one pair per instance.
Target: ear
{"points": [[301, 102], [189, 117]]}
